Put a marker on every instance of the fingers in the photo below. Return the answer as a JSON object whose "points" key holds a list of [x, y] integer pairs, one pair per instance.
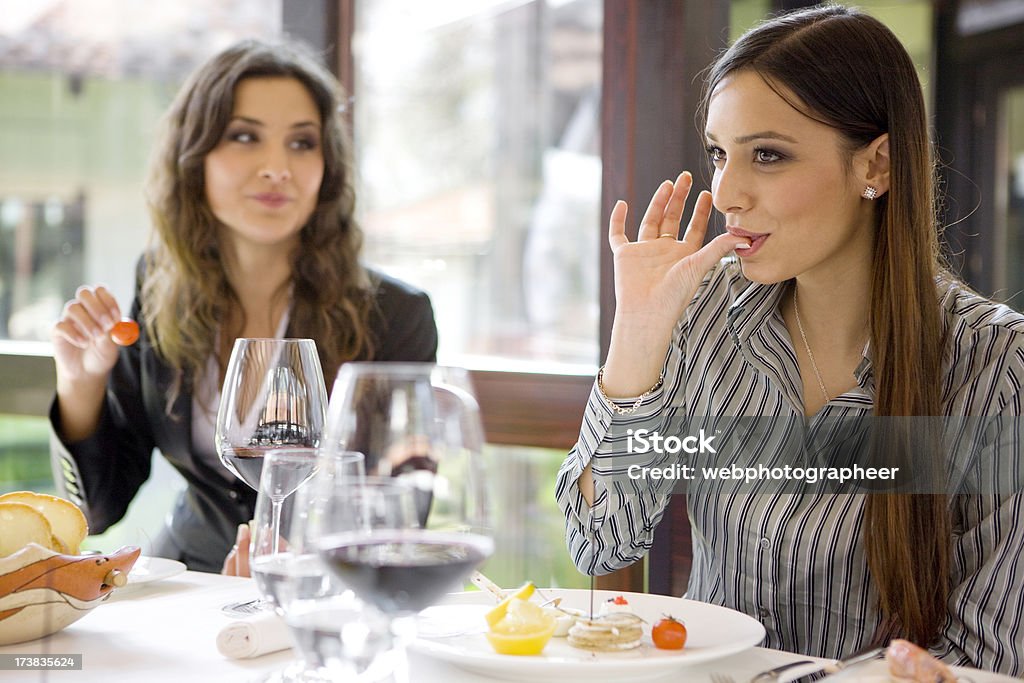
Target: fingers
{"points": [[88, 316], [243, 539], [230, 563], [663, 214], [698, 225], [650, 225], [237, 561], [715, 250], [100, 305], [617, 225], [676, 203]]}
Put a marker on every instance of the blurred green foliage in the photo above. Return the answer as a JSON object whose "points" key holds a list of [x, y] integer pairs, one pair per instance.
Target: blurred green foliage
{"points": [[24, 454]]}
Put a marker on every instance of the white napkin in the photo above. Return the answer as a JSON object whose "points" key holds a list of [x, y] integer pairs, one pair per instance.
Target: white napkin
{"points": [[253, 636]]}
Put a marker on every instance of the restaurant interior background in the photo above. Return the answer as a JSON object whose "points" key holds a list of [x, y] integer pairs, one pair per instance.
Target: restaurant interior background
{"points": [[492, 137]]}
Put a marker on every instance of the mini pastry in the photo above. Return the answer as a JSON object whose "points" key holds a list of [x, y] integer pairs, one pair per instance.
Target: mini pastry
{"points": [[611, 633]]}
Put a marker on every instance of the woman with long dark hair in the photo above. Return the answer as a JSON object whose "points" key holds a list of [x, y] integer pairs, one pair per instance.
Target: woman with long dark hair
{"points": [[252, 200], [825, 299]]}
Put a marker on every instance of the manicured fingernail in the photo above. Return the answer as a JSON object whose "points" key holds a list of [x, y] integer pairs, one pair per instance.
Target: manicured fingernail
{"points": [[241, 532]]}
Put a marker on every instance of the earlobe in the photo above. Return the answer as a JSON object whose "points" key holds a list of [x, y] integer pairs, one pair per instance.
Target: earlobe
{"points": [[876, 178]]}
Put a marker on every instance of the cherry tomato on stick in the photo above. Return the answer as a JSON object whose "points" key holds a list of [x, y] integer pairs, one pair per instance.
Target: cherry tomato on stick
{"points": [[125, 332], [669, 634]]}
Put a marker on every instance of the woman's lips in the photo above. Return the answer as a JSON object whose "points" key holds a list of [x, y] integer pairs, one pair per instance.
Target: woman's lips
{"points": [[756, 240], [271, 200]]}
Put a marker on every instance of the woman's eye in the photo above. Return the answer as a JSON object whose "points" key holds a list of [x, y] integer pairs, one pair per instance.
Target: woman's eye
{"points": [[767, 156], [241, 136], [717, 154], [304, 144]]}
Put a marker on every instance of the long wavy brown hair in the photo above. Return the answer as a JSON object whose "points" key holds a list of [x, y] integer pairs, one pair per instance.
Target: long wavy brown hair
{"points": [[850, 72], [185, 292]]}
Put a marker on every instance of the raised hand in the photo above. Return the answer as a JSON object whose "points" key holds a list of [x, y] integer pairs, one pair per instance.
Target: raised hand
{"points": [[84, 354], [655, 278], [82, 347]]}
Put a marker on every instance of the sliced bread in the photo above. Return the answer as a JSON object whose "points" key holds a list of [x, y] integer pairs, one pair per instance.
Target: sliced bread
{"points": [[66, 520], [21, 524]]}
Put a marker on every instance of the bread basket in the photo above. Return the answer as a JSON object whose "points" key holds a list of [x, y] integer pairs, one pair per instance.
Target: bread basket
{"points": [[43, 591]]}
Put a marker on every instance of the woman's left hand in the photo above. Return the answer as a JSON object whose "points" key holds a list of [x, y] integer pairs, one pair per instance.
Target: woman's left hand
{"points": [[237, 561]]}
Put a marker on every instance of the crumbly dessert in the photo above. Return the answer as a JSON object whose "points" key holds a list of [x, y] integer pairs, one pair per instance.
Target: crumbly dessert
{"points": [[611, 633]]}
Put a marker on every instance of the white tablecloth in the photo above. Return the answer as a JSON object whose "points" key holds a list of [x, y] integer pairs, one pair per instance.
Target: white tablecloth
{"points": [[167, 631]]}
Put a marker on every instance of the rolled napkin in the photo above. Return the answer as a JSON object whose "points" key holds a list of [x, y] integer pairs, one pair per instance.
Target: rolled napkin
{"points": [[253, 636]]}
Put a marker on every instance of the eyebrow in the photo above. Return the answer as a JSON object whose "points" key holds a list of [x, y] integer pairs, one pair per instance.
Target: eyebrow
{"points": [[257, 122], [760, 135]]}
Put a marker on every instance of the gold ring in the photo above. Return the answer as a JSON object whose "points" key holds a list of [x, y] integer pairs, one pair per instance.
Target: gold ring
{"points": [[667, 234]]}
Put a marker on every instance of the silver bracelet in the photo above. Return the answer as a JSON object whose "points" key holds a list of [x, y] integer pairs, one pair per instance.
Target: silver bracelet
{"points": [[636, 404]]}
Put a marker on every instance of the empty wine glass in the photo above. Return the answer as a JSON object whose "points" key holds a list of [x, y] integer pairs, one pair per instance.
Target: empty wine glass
{"points": [[273, 396], [419, 425], [284, 471]]}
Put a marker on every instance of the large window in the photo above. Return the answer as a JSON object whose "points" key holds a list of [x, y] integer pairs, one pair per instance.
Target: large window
{"points": [[478, 153], [82, 87]]}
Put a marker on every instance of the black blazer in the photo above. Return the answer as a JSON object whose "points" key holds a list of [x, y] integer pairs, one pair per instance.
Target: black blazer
{"points": [[102, 474]]}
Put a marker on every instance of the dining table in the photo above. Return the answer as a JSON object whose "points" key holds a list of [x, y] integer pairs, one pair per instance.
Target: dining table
{"points": [[167, 631]]}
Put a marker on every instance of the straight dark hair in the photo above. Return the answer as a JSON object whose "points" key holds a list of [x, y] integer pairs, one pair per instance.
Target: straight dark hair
{"points": [[847, 70]]}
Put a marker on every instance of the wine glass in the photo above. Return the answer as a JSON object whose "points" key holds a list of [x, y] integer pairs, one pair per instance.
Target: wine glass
{"points": [[419, 425], [273, 396], [284, 471], [333, 637]]}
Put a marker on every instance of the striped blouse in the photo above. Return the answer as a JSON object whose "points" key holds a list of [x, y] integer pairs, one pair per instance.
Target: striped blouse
{"points": [[795, 561]]}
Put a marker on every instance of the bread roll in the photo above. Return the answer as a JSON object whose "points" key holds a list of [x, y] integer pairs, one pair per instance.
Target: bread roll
{"points": [[66, 521], [21, 524]]}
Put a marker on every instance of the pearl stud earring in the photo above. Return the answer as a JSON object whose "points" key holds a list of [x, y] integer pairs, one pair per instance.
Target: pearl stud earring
{"points": [[870, 192]]}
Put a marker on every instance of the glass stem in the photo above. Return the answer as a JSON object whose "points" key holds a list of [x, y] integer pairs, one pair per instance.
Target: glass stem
{"points": [[403, 630], [275, 525]]}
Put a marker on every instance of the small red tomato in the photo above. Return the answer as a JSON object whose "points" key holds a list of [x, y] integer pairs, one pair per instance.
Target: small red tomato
{"points": [[669, 634], [125, 333]]}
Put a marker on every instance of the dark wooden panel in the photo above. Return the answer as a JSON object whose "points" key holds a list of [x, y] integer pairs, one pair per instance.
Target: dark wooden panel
{"points": [[528, 409], [654, 53]]}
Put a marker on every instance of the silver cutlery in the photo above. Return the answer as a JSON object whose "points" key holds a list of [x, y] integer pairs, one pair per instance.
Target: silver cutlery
{"points": [[774, 674], [794, 670]]}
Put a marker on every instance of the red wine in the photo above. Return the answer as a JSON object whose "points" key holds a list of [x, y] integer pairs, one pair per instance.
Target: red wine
{"points": [[404, 572]]}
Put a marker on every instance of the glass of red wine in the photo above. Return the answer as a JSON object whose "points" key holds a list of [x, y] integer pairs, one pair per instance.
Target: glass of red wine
{"points": [[419, 526]]}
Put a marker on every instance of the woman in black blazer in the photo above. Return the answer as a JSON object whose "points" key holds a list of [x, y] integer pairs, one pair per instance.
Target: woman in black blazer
{"points": [[252, 202]]}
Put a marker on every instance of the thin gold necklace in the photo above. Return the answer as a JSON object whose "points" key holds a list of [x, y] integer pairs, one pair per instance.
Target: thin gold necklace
{"points": [[803, 335]]}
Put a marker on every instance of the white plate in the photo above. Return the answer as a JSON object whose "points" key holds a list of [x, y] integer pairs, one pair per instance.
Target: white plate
{"points": [[878, 672], [150, 569], [712, 632]]}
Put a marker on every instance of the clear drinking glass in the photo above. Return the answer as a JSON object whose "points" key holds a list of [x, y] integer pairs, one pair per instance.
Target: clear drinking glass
{"points": [[419, 427], [273, 396]]}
